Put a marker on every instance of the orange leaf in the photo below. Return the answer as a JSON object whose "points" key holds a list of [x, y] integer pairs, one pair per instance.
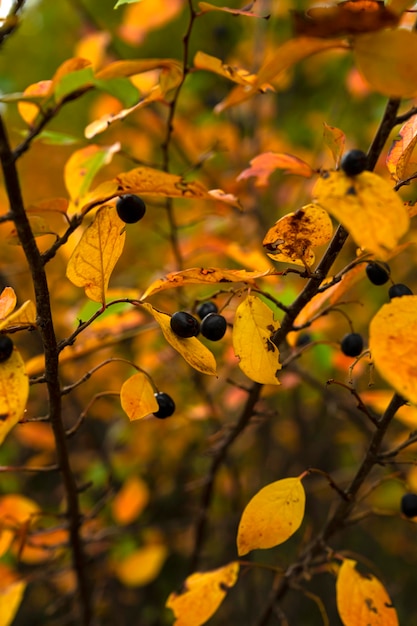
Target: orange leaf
{"points": [[264, 164], [203, 593], [14, 391], [93, 47], [142, 566], [206, 7], [203, 276], [292, 237], [130, 501], [92, 261], [43, 545], [362, 599], [393, 345], [385, 59], [271, 516], [137, 397], [192, 350], [142, 17], [287, 55], [399, 156], [7, 302]]}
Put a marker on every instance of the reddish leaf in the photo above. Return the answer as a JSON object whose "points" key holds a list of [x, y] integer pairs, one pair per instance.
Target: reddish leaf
{"points": [[264, 164]]}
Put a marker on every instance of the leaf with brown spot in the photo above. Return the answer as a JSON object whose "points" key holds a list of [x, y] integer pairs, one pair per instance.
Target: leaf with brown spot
{"points": [[293, 236], [362, 599]]}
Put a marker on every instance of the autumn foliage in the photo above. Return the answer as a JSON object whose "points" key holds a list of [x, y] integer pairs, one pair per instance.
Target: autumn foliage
{"points": [[153, 474]]}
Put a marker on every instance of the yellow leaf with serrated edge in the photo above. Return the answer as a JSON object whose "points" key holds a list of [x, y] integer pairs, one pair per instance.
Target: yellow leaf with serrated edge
{"points": [[137, 397], [130, 501], [385, 59], [271, 516], [203, 593], [362, 599], [93, 260], [292, 237], [142, 566], [191, 349], [366, 206], [14, 391], [10, 599], [203, 276], [253, 329], [393, 345]]}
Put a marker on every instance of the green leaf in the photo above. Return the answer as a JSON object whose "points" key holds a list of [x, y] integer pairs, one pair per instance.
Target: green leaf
{"points": [[121, 88], [119, 3], [73, 81]]}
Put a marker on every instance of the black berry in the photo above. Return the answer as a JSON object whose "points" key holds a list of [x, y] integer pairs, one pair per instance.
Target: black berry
{"points": [[409, 505], [303, 340], [130, 208], [184, 324], [398, 290], [213, 326], [352, 344], [378, 273], [353, 162], [206, 308], [166, 405], [6, 348]]}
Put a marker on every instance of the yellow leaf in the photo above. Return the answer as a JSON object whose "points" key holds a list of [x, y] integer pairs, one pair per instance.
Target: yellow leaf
{"points": [[253, 328], [367, 207], [130, 501], [10, 599], [83, 165], [15, 510], [7, 302], [206, 7], [137, 397], [14, 391], [202, 596], [393, 345], [142, 566], [93, 260], [192, 350], [29, 111], [271, 516], [386, 60], [93, 47], [203, 276], [362, 599], [292, 237], [334, 138], [203, 61], [24, 316]]}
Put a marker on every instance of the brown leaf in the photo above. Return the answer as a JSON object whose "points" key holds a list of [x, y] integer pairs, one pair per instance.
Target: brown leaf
{"points": [[346, 18]]}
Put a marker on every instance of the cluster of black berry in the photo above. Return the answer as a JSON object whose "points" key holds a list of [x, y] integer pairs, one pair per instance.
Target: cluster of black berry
{"points": [[212, 326]]}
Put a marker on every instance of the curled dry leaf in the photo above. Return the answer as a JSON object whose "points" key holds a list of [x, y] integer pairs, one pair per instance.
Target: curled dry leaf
{"points": [[293, 236]]}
